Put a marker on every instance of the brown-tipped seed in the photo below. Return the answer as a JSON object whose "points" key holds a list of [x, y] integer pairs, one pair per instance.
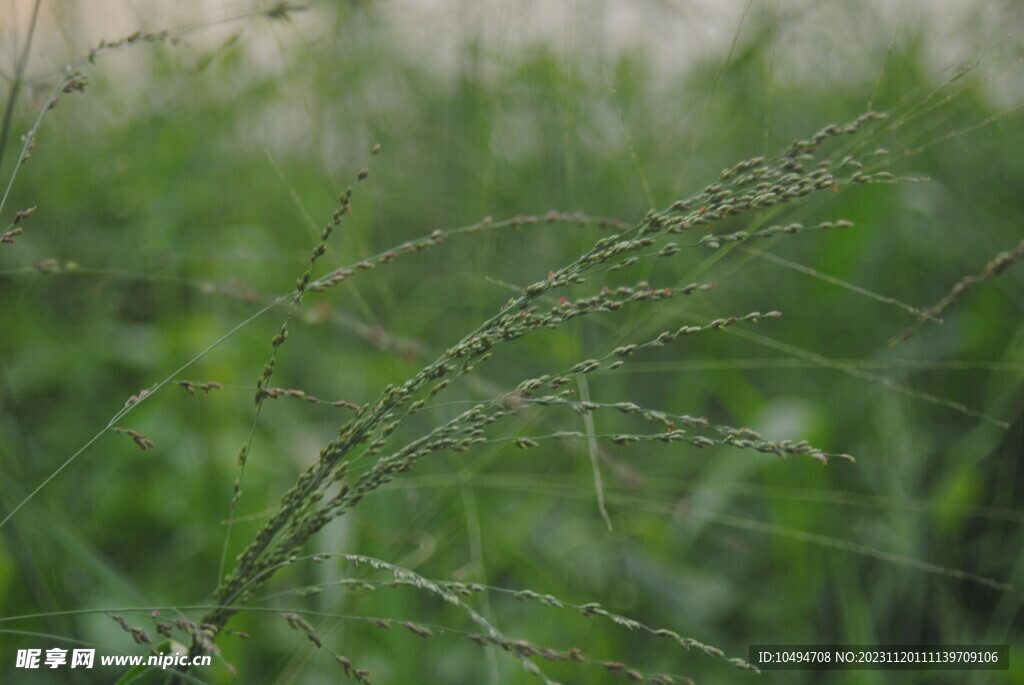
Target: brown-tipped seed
{"points": [[23, 214], [422, 631]]}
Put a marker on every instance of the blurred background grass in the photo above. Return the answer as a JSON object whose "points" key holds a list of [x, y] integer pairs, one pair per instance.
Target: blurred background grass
{"points": [[184, 190]]}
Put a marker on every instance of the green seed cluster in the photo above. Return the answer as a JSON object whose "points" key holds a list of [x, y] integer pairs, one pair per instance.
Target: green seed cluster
{"points": [[993, 268], [133, 39], [714, 241], [321, 493], [452, 593], [740, 438], [298, 623], [439, 236], [589, 610], [301, 285]]}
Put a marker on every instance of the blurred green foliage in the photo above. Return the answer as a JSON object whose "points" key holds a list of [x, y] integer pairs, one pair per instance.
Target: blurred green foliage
{"points": [[186, 187]]}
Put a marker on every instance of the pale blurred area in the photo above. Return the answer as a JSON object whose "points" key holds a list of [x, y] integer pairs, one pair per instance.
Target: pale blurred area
{"points": [[810, 44], [672, 35]]}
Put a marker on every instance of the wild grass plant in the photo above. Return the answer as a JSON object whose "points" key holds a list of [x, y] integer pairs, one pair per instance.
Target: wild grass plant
{"points": [[554, 407]]}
